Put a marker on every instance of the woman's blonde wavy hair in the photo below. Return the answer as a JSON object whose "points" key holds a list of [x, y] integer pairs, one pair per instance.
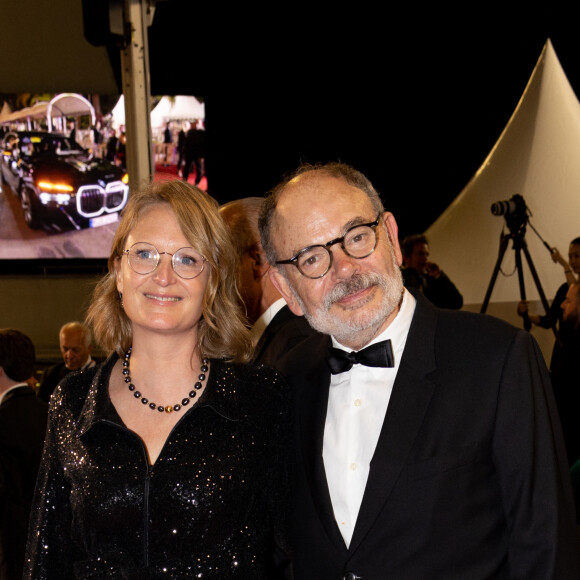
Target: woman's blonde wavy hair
{"points": [[222, 331]]}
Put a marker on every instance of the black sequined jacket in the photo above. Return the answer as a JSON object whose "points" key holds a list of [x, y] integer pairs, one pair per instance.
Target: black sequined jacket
{"points": [[210, 507]]}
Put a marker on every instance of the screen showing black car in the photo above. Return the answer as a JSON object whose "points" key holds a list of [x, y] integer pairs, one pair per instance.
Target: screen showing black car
{"points": [[64, 180]]}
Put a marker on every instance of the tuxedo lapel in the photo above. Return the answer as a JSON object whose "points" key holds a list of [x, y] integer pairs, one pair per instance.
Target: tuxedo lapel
{"points": [[408, 404], [312, 404]]}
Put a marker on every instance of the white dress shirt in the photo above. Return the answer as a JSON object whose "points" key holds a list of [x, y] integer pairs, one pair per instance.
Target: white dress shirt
{"points": [[89, 364], [357, 405]]}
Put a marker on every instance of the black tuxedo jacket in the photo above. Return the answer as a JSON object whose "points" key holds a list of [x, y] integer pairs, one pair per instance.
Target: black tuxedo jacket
{"points": [[53, 376], [283, 333], [50, 380], [23, 419], [469, 478]]}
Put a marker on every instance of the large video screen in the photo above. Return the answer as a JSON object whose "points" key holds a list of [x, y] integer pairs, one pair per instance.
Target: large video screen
{"points": [[63, 169]]}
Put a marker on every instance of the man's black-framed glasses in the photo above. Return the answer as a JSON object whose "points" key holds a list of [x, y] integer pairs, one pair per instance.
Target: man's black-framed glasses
{"points": [[358, 242], [144, 258]]}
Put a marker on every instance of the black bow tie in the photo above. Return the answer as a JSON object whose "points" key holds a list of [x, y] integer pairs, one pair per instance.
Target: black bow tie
{"points": [[376, 355]]}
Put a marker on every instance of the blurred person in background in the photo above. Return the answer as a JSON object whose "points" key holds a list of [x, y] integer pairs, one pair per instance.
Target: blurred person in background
{"points": [[22, 428], [427, 277], [553, 318], [275, 328], [75, 346]]}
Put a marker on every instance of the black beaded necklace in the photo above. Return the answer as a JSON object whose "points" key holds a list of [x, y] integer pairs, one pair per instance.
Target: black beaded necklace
{"points": [[169, 408]]}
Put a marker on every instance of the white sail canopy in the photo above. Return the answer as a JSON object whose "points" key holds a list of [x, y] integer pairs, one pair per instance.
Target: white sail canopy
{"points": [[538, 157], [178, 108]]}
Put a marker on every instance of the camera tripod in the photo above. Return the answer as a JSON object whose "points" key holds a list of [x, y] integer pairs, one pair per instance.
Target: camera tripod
{"points": [[517, 235]]}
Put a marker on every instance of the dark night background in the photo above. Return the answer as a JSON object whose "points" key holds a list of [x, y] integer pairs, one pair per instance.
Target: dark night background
{"points": [[413, 97]]}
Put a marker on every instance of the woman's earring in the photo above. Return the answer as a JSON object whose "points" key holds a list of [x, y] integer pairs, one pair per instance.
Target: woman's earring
{"points": [[121, 299]]}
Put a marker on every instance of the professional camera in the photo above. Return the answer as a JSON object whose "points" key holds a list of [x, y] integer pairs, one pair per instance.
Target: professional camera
{"points": [[514, 205], [514, 211]]}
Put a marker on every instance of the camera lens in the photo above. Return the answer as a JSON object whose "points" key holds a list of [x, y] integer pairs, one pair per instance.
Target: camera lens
{"points": [[503, 207]]}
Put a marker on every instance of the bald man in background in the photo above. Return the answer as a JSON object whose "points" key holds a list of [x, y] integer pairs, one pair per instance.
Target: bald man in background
{"points": [[275, 329], [76, 347]]}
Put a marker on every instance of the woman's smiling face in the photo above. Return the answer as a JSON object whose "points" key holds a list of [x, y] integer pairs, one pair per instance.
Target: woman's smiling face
{"points": [[160, 301]]}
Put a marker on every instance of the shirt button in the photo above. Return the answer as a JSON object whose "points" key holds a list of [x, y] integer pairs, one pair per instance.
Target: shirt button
{"points": [[357, 403], [353, 466]]}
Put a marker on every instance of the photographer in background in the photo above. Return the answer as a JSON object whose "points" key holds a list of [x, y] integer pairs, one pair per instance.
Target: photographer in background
{"points": [[426, 276], [554, 315], [564, 372]]}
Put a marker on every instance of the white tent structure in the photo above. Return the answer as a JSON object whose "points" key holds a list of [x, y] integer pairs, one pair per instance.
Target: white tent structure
{"points": [[178, 108], [536, 156], [60, 107], [70, 105], [25, 118], [118, 114], [160, 113]]}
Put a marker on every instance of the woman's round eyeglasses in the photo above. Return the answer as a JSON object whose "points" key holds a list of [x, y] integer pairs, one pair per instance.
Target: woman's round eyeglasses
{"points": [[358, 242], [144, 258]]}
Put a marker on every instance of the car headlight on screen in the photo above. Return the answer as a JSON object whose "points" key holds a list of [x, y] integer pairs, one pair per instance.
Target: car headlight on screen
{"points": [[51, 191]]}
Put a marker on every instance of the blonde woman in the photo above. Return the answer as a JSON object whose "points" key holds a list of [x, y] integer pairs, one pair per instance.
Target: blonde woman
{"points": [[167, 462]]}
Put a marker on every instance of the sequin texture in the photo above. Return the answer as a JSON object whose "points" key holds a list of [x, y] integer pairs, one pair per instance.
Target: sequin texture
{"points": [[211, 506]]}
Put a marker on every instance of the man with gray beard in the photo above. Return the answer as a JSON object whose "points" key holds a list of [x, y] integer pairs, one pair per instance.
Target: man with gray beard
{"points": [[427, 441]]}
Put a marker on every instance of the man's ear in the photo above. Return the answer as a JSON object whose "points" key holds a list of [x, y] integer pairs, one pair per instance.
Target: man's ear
{"points": [[393, 231], [260, 264], [283, 287]]}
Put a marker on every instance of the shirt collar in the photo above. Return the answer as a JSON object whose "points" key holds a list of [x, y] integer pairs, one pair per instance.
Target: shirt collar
{"points": [[90, 363], [11, 389]]}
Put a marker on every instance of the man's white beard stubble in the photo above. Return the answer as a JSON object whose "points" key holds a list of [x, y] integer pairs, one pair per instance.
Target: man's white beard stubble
{"points": [[345, 331]]}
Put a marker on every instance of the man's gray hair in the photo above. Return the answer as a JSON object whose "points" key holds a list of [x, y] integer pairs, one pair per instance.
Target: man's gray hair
{"points": [[83, 329], [334, 169]]}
